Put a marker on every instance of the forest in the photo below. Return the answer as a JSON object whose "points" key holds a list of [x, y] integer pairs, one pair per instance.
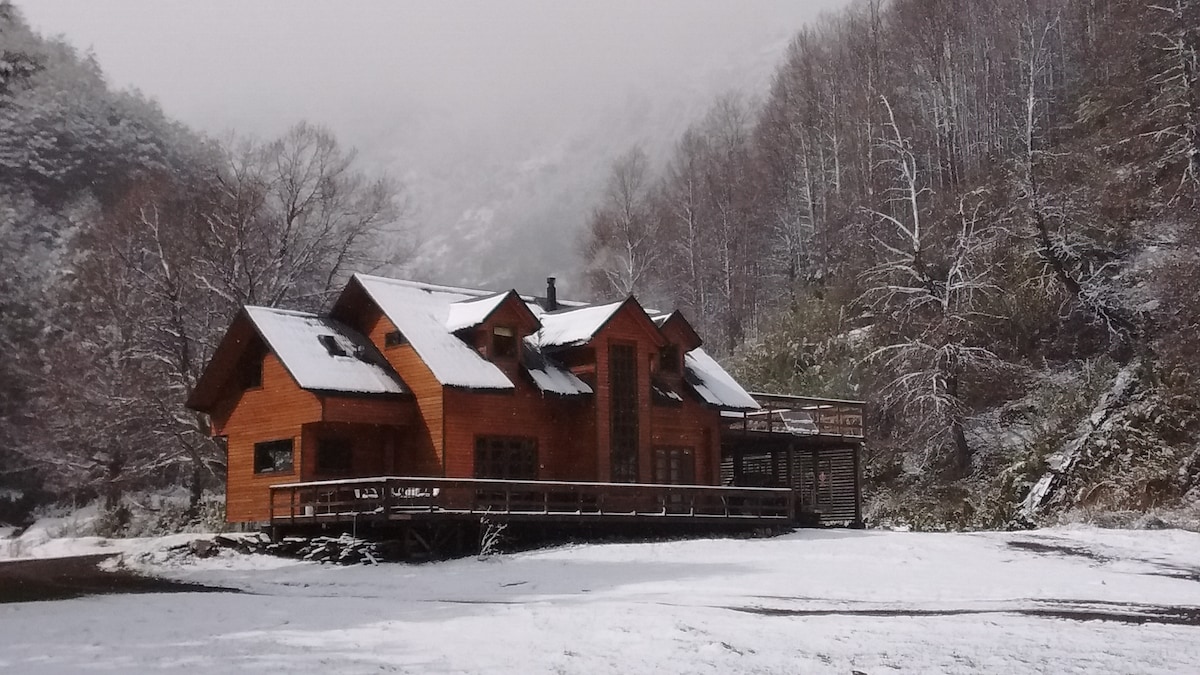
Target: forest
{"points": [[127, 242], [979, 217]]}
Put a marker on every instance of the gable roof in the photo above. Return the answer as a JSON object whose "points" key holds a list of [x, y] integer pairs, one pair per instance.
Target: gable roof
{"points": [[296, 339], [548, 376], [422, 312], [470, 313], [714, 384], [577, 326], [675, 322]]}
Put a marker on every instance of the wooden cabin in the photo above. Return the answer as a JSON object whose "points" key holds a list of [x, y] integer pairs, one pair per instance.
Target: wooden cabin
{"points": [[411, 401]]}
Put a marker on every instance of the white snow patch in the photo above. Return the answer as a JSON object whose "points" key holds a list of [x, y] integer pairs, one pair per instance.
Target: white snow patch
{"points": [[548, 376], [295, 337], [574, 326], [715, 385], [1061, 463], [421, 313], [470, 313], [810, 602]]}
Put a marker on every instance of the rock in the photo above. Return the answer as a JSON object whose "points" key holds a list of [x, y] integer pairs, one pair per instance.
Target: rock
{"points": [[226, 542], [202, 548]]}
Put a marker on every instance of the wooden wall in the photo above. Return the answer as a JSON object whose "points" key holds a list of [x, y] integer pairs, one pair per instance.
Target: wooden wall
{"points": [[433, 432], [690, 425], [560, 424], [275, 411], [374, 449], [573, 433], [423, 454], [624, 328]]}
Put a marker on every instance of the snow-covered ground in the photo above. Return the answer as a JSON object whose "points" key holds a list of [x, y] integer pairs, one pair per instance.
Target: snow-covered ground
{"points": [[1060, 601]]}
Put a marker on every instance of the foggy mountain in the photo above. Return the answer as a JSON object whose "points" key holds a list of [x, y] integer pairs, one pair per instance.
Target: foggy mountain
{"points": [[510, 212], [500, 118]]}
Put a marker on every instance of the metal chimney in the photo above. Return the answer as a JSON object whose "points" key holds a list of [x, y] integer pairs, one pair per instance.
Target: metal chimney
{"points": [[551, 295]]}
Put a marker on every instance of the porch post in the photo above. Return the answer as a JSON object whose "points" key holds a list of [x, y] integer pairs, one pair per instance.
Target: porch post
{"points": [[858, 519]]}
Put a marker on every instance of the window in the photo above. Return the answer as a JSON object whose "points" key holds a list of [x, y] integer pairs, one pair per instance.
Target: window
{"points": [[674, 466], [504, 342], [394, 339], [623, 420], [668, 359], [331, 345], [273, 456], [510, 458], [334, 455]]}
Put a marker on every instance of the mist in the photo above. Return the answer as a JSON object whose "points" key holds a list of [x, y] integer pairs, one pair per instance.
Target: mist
{"points": [[501, 118]]}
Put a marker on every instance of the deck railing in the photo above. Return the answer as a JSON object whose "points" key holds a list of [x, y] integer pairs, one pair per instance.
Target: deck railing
{"points": [[396, 498], [800, 416]]}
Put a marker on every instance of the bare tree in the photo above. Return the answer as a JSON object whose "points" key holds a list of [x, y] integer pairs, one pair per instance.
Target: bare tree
{"points": [[154, 281], [935, 299], [1071, 261], [292, 218], [623, 245], [1181, 80]]}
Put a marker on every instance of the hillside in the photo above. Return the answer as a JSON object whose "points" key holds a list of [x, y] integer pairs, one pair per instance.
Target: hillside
{"points": [[978, 217]]}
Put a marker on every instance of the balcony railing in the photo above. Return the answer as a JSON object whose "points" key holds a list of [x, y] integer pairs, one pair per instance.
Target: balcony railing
{"points": [[400, 498], [800, 416]]}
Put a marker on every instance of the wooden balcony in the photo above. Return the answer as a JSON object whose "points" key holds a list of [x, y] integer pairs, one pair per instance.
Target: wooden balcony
{"points": [[382, 500], [799, 416]]}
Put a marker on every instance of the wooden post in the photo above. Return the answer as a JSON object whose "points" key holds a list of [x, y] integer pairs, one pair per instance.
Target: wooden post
{"points": [[858, 519], [789, 470]]}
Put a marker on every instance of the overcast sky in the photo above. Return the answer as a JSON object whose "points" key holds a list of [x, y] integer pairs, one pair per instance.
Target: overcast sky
{"points": [[455, 97], [261, 65]]}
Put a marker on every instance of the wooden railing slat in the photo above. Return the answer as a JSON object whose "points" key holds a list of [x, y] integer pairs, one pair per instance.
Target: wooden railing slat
{"points": [[384, 497]]}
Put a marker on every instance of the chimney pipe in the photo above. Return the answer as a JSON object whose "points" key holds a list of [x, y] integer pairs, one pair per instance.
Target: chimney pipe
{"points": [[551, 295]]}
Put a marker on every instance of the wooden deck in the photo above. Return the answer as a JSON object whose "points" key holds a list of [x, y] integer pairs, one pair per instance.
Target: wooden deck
{"points": [[810, 445], [800, 416], [389, 499]]}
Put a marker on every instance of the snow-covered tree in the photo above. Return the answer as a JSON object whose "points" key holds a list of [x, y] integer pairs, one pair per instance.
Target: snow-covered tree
{"points": [[623, 245], [933, 286]]}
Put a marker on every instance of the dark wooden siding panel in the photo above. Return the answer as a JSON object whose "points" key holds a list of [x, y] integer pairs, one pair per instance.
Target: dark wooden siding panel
{"points": [[364, 410], [373, 449], [825, 480], [691, 426], [561, 427], [275, 411]]}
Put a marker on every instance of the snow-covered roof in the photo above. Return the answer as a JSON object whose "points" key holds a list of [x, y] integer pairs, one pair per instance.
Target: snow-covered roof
{"points": [[422, 312], [550, 377], [713, 384], [299, 340], [566, 328], [470, 313]]}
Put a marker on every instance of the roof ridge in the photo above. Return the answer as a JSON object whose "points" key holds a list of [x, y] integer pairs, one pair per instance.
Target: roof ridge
{"points": [[463, 290], [425, 286], [489, 296], [282, 310]]}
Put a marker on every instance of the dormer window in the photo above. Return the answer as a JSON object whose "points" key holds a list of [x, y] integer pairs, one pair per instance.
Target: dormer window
{"points": [[504, 342], [394, 339], [668, 359], [331, 345]]}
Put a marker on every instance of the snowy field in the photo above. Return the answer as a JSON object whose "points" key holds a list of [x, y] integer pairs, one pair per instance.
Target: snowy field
{"points": [[1057, 601]]}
